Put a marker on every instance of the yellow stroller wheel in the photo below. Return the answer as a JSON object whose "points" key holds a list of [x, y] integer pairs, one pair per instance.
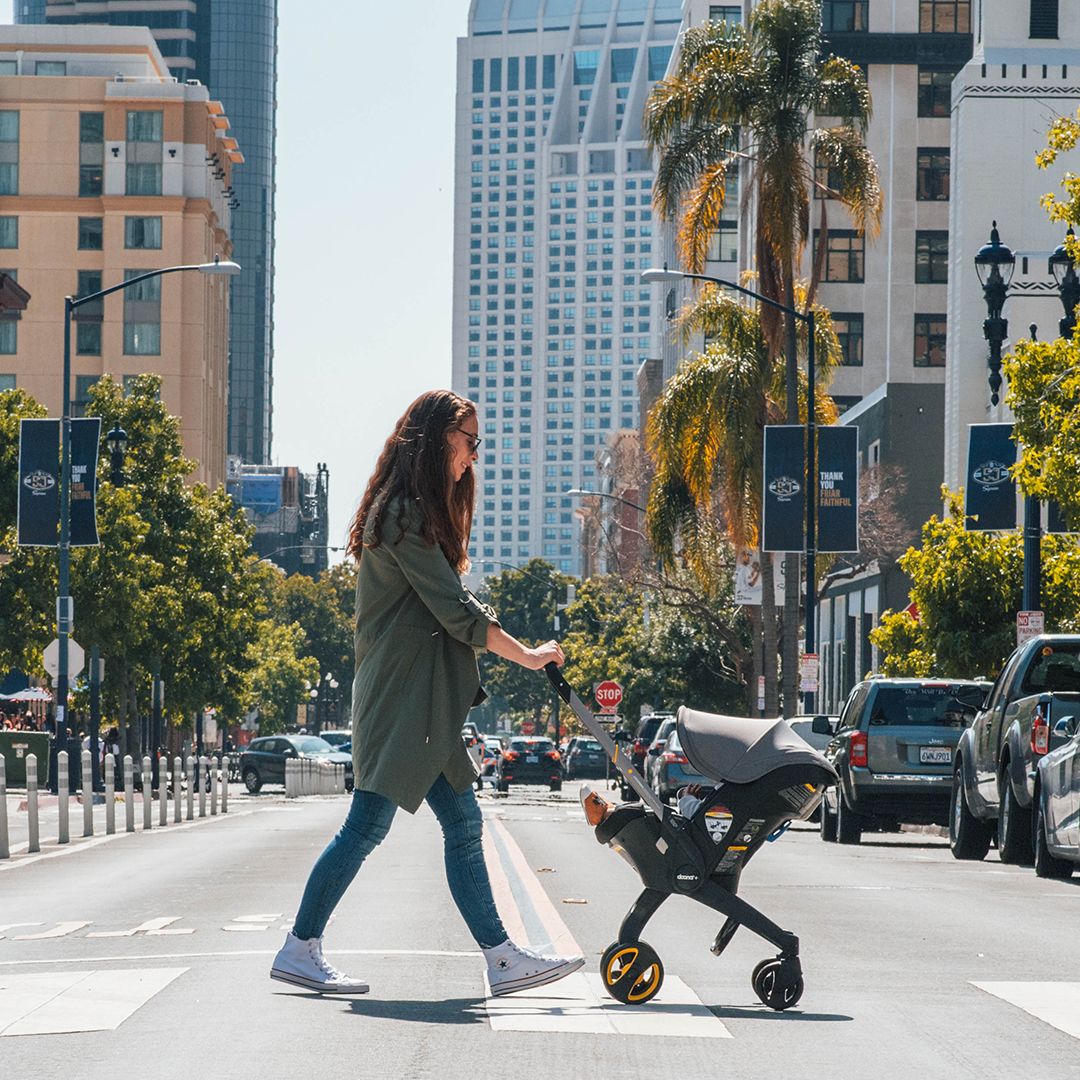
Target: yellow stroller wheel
{"points": [[631, 972]]}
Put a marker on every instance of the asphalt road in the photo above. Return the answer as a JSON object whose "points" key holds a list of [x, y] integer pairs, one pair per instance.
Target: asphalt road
{"points": [[915, 965]]}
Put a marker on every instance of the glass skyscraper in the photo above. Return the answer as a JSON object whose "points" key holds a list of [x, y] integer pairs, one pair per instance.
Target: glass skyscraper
{"points": [[231, 47], [553, 226]]}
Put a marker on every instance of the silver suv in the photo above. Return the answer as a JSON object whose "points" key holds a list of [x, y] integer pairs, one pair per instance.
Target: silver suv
{"points": [[892, 750]]}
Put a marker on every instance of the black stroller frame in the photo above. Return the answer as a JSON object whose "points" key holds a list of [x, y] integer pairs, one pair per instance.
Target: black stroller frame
{"points": [[702, 856]]}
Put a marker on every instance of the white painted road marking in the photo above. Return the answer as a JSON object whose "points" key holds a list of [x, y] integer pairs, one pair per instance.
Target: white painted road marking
{"points": [[148, 927], [1054, 1003], [251, 923], [78, 1000], [59, 930], [579, 1003]]}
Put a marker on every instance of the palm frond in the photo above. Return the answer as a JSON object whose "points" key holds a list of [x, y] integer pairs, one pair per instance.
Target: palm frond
{"points": [[841, 91], [851, 163], [701, 216], [683, 161]]}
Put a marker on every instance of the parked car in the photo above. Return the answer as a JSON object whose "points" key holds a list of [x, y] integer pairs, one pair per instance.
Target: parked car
{"points": [[1057, 802], [893, 752], [263, 762], [493, 749], [994, 771], [530, 759], [672, 769], [644, 734], [584, 757], [336, 739], [655, 749]]}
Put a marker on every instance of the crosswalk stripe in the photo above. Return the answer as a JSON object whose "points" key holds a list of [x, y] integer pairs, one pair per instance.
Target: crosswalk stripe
{"points": [[57, 1003], [1055, 1003], [579, 1003], [150, 926]]}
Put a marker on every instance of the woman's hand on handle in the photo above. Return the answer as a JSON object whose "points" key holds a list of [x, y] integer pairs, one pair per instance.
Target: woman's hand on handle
{"points": [[509, 648]]}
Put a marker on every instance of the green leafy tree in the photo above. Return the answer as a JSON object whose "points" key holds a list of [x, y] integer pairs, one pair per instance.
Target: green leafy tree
{"points": [[277, 673], [743, 97]]}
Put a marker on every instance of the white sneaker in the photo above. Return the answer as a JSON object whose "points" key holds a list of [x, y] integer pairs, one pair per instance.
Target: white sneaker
{"points": [[302, 963], [512, 967]]}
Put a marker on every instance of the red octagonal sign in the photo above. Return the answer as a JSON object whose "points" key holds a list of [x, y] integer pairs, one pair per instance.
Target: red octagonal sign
{"points": [[608, 695]]}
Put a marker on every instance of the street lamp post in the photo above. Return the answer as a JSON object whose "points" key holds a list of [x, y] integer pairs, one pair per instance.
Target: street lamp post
{"points": [[64, 608], [810, 552]]}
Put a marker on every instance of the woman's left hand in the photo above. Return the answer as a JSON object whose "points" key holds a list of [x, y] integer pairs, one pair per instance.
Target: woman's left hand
{"points": [[548, 653]]}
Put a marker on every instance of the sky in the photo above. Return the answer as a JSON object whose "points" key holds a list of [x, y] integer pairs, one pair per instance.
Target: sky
{"points": [[365, 171]]}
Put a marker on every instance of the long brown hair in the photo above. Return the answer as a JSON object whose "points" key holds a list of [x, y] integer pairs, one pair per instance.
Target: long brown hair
{"points": [[415, 466]]}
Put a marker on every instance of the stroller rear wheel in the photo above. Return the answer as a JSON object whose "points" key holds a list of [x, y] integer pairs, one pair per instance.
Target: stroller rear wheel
{"points": [[777, 984], [631, 971]]}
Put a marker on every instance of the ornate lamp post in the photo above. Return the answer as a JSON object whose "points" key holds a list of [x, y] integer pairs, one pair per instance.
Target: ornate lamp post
{"points": [[1068, 283], [994, 263]]}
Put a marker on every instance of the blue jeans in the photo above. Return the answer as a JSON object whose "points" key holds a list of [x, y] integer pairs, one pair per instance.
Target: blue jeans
{"points": [[366, 826]]}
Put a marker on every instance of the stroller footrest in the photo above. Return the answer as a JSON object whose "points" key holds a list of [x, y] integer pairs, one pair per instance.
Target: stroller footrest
{"points": [[617, 820]]}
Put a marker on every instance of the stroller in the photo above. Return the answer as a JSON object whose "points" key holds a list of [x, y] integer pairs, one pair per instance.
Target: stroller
{"points": [[767, 777]]}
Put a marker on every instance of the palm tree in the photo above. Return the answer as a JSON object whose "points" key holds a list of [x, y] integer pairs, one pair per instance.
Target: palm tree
{"points": [[705, 436], [744, 97]]}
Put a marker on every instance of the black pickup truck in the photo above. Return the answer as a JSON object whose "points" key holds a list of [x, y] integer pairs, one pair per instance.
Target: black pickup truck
{"points": [[996, 758]]}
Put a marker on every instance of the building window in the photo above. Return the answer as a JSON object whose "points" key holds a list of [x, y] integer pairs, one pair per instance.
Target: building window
{"points": [[586, 61], [1044, 19], [9, 67], [142, 316], [659, 55], [929, 341], [88, 316], [9, 334], [843, 256], [9, 152], [82, 393], [143, 168], [931, 257], [7, 382], [478, 76], [91, 153], [945, 16], [622, 65], [9, 232], [827, 179], [935, 91], [142, 232], [849, 332], [91, 233], [845, 16], [932, 183], [727, 13], [50, 67], [724, 243]]}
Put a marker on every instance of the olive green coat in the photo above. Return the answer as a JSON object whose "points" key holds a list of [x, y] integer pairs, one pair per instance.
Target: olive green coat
{"points": [[418, 633]]}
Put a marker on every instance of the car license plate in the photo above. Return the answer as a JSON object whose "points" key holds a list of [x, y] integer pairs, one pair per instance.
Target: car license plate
{"points": [[935, 755], [531, 759]]}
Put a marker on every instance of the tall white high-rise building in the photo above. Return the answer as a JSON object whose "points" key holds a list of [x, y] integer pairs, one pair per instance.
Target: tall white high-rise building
{"points": [[553, 225]]}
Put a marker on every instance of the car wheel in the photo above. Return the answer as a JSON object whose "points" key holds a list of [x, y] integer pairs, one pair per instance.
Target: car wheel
{"points": [[1048, 865], [503, 786], [556, 785], [827, 823], [1013, 828], [848, 823], [252, 781], [969, 838]]}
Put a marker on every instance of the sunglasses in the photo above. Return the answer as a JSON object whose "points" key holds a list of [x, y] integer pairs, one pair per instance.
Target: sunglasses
{"points": [[474, 440]]}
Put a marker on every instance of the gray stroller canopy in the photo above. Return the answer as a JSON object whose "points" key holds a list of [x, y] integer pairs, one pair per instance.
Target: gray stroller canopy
{"points": [[742, 750]]}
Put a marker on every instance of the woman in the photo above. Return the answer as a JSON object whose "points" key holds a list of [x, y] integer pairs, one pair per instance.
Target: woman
{"points": [[418, 631]]}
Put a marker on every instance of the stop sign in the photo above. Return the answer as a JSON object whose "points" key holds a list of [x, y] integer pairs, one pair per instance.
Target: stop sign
{"points": [[608, 695], [526, 727]]}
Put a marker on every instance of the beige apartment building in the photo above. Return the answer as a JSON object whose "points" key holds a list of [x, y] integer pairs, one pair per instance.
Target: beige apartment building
{"points": [[109, 166]]}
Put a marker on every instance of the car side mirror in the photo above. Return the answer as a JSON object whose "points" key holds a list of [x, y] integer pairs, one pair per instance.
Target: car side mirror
{"points": [[821, 725], [291, 752], [1066, 727], [654, 751]]}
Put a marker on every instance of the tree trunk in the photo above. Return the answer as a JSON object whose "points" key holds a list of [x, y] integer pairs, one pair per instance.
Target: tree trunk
{"points": [[793, 567], [768, 635]]}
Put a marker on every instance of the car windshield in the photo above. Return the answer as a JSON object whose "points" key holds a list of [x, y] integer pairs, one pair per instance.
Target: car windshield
{"points": [[648, 729], [1055, 669], [312, 745], [531, 746], [588, 744], [942, 703]]}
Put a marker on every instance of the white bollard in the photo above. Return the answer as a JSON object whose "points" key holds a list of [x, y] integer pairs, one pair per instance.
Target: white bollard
{"points": [[87, 795], [32, 803], [129, 794], [213, 788], [110, 794], [202, 785], [290, 779], [5, 847], [225, 764], [163, 789], [341, 779], [147, 794], [64, 794], [190, 815], [177, 777]]}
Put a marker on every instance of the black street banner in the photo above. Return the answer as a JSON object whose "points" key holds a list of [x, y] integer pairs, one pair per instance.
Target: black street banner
{"points": [[783, 503], [838, 489], [990, 491], [39, 483], [85, 440]]}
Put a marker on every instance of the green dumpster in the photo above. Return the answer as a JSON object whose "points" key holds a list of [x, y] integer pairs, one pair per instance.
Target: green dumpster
{"points": [[15, 746]]}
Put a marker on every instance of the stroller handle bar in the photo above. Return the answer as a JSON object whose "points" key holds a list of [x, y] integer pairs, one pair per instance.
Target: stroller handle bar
{"points": [[618, 758]]}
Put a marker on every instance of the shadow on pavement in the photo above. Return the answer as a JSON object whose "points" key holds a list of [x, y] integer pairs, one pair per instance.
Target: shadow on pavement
{"points": [[761, 1012], [452, 1011]]}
